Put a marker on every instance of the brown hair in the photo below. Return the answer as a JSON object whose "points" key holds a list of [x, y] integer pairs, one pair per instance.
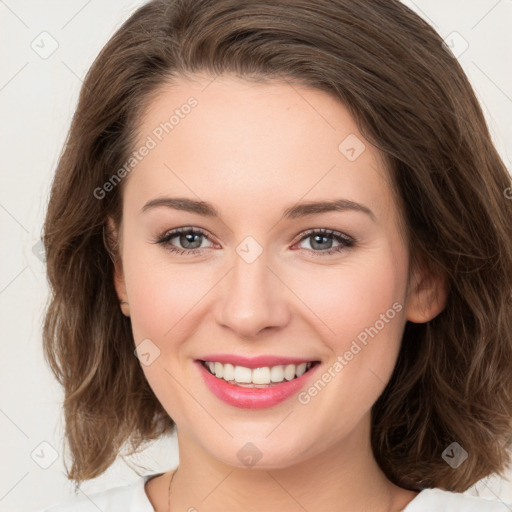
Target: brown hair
{"points": [[412, 100]]}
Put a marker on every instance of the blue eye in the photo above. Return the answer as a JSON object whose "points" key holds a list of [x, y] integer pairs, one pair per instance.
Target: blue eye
{"points": [[191, 240], [322, 240]]}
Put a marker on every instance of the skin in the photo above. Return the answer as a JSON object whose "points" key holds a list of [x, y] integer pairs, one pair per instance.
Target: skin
{"points": [[253, 149]]}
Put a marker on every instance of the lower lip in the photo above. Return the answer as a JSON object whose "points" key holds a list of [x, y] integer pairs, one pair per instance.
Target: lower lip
{"points": [[254, 398]]}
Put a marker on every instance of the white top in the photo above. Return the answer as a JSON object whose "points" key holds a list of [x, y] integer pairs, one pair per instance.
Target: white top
{"points": [[133, 498]]}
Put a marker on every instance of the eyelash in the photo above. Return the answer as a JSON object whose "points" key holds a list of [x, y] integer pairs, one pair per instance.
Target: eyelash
{"points": [[345, 241]]}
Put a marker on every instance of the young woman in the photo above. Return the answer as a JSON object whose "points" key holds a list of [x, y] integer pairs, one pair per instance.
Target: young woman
{"points": [[281, 228]]}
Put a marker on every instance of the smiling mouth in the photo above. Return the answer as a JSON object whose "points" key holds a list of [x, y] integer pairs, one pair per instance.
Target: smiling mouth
{"points": [[263, 377]]}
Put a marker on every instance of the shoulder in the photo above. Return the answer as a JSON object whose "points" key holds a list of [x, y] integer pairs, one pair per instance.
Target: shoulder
{"points": [[445, 501], [124, 498]]}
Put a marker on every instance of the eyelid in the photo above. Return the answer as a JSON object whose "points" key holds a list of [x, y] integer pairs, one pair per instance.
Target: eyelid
{"points": [[324, 231], [172, 233], [344, 240]]}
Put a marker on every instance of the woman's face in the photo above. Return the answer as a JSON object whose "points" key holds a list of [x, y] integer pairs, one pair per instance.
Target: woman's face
{"points": [[259, 280]]}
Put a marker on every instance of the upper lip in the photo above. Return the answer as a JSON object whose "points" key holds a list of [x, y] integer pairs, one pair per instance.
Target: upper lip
{"points": [[254, 362]]}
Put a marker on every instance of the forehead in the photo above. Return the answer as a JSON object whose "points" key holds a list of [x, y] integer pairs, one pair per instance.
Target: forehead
{"points": [[256, 143]]}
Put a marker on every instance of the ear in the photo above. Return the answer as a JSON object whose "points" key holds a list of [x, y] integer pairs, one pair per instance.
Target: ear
{"points": [[111, 240], [427, 295]]}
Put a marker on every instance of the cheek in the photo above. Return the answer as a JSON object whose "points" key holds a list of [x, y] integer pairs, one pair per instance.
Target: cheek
{"points": [[342, 300], [360, 308], [164, 302], [347, 299], [159, 301], [164, 298]]}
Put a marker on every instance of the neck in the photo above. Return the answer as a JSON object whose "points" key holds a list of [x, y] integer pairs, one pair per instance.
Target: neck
{"points": [[343, 477]]}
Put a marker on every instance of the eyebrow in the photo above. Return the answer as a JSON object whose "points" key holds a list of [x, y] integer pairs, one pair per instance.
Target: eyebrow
{"points": [[298, 210]]}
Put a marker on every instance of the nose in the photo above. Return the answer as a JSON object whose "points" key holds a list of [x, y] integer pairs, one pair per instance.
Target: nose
{"points": [[252, 298]]}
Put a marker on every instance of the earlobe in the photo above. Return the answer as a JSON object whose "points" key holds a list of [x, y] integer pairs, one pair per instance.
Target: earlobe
{"points": [[121, 288], [427, 296], [125, 308], [111, 240]]}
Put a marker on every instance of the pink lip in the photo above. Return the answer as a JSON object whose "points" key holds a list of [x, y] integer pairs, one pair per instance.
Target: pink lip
{"points": [[253, 398], [253, 362]]}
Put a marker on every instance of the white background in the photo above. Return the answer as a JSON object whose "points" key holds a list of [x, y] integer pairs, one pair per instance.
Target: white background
{"points": [[37, 97]]}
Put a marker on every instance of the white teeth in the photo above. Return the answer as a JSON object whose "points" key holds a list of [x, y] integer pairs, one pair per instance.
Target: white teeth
{"points": [[301, 369], [218, 370], [243, 375], [228, 372], [259, 377], [289, 372], [276, 374]]}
